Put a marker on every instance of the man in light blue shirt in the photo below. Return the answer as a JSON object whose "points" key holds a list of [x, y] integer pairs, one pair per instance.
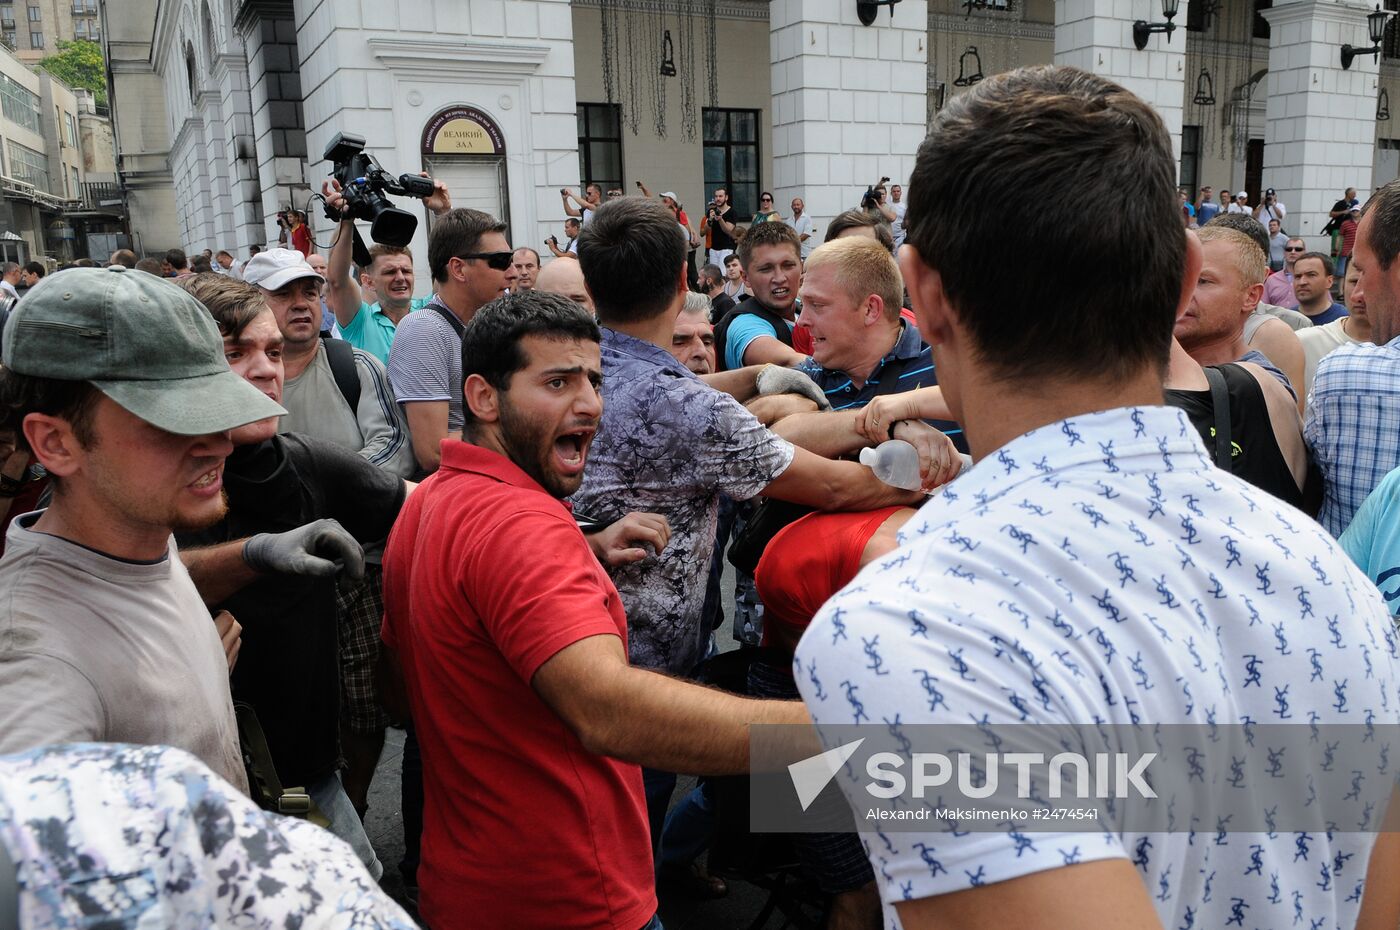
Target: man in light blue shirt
{"points": [[1373, 539]]}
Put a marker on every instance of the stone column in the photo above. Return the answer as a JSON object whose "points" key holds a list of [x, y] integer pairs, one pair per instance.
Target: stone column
{"points": [[849, 100], [242, 226], [1321, 133], [279, 133], [1098, 37]]}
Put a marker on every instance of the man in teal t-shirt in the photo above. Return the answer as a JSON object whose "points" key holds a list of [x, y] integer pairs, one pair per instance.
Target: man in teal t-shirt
{"points": [[371, 326], [1373, 539]]}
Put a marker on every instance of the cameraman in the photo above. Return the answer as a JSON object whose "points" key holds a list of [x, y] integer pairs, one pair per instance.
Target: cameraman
{"points": [[570, 250], [717, 225], [874, 202], [368, 326], [592, 199]]}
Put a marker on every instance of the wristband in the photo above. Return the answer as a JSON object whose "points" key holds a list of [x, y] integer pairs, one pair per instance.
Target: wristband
{"points": [[10, 487]]}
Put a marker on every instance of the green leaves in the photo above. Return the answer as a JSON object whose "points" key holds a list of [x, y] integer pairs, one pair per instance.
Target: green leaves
{"points": [[79, 64]]}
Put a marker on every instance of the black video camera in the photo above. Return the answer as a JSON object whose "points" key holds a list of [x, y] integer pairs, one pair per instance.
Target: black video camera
{"points": [[871, 200], [363, 182]]}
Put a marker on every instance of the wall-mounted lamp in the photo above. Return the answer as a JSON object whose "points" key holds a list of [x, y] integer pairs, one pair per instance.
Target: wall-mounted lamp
{"points": [[1375, 30], [969, 68], [668, 56], [1205, 90], [867, 10], [1142, 30]]}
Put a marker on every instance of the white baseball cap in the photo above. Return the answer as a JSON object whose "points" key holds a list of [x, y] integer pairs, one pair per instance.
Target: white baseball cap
{"points": [[273, 269], [1241, 194]]}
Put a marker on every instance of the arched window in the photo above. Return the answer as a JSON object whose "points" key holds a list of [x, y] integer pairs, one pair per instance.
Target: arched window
{"points": [[190, 74], [208, 31]]}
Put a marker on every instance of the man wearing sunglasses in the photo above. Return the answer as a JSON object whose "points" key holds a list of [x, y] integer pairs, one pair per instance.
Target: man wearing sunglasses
{"points": [[472, 264], [1278, 289]]}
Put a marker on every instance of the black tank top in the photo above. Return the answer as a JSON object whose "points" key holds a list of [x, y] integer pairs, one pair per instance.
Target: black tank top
{"points": [[1254, 455], [748, 305]]}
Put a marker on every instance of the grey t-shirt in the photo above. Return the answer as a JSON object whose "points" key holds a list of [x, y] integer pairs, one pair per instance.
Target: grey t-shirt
{"points": [[375, 430], [95, 649], [425, 362]]}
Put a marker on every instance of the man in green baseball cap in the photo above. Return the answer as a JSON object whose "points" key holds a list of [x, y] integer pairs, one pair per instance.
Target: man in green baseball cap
{"points": [[117, 384]]}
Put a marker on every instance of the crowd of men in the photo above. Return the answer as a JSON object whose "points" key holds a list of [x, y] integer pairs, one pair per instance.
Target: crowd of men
{"points": [[258, 511]]}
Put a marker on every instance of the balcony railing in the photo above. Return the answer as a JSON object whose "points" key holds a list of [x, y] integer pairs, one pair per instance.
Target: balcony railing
{"points": [[102, 197]]}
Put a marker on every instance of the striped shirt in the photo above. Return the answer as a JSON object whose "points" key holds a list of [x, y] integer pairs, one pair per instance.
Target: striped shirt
{"points": [[912, 360], [425, 363], [1353, 426]]}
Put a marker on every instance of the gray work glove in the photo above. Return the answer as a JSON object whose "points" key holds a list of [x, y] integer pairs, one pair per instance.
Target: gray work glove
{"points": [[775, 379], [321, 549]]}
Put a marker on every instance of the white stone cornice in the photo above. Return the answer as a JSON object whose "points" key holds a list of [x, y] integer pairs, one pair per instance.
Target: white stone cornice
{"points": [[724, 9], [988, 25], [192, 126], [463, 58], [1309, 11]]}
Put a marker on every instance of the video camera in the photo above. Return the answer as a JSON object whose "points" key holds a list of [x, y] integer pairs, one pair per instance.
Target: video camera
{"points": [[364, 182], [870, 200]]}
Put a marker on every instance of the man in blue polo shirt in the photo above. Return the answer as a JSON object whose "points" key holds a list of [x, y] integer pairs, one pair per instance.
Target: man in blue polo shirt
{"points": [[861, 348], [364, 325]]}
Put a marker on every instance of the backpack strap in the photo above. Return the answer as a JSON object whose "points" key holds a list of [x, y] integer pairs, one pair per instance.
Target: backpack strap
{"points": [[267, 790], [449, 316], [341, 356], [1220, 407]]}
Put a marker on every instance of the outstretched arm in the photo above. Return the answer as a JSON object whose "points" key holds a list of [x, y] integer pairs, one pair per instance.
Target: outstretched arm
{"points": [[342, 293]]}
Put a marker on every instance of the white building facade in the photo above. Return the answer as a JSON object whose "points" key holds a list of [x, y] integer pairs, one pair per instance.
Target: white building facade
{"points": [[509, 102]]}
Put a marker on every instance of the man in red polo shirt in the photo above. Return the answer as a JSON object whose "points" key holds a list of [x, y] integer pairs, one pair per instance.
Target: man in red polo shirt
{"points": [[512, 642]]}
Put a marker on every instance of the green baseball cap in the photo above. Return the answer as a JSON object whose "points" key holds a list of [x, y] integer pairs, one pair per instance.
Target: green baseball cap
{"points": [[145, 343]]}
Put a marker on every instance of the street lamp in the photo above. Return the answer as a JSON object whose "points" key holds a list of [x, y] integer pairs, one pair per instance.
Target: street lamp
{"points": [[1375, 29], [867, 10], [1142, 29]]}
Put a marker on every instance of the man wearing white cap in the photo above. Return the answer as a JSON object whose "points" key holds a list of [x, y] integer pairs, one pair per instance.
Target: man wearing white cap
{"points": [[1240, 204], [333, 391]]}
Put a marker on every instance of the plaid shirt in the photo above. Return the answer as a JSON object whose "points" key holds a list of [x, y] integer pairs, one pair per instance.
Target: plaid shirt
{"points": [[1353, 426]]}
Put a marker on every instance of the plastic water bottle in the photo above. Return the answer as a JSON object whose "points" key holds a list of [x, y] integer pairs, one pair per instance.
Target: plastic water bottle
{"points": [[895, 462]]}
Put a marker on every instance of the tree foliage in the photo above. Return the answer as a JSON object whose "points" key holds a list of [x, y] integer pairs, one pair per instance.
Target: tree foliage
{"points": [[79, 64]]}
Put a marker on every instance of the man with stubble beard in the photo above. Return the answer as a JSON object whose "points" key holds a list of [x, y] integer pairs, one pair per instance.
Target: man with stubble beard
{"points": [[116, 383], [515, 661]]}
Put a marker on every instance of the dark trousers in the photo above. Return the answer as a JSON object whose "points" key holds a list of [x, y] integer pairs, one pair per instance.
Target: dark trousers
{"points": [[411, 797]]}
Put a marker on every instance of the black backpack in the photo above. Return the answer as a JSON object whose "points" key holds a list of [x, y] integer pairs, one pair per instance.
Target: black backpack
{"points": [[341, 356]]}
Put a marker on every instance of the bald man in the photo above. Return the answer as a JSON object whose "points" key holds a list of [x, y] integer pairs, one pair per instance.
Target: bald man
{"points": [[563, 276]]}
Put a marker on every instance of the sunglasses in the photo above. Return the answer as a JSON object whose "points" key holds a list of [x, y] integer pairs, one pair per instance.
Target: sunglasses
{"points": [[765, 200], [1293, 249], [498, 261]]}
